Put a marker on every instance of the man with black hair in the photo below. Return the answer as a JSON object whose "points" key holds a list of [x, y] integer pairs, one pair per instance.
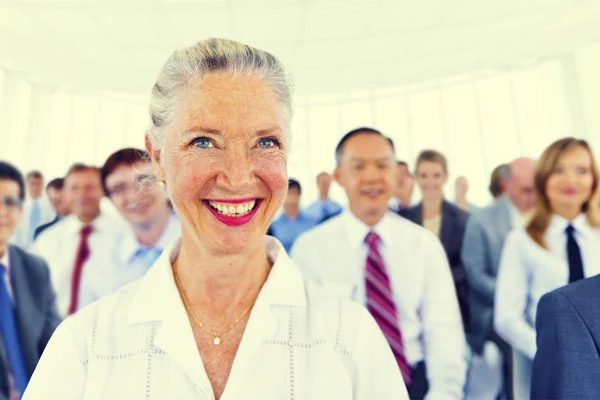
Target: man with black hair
{"points": [[292, 222], [28, 315], [397, 269], [57, 198]]}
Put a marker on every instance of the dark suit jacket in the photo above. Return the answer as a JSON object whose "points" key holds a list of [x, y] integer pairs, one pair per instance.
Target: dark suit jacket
{"points": [[42, 228], [35, 308], [452, 230], [567, 363]]}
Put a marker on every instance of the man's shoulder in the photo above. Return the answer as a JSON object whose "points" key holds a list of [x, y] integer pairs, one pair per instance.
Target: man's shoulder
{"points": [[32, 265], [584, 295]]}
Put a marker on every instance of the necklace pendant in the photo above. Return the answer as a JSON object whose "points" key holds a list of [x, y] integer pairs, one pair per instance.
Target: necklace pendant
{"points": [[217, 340]]}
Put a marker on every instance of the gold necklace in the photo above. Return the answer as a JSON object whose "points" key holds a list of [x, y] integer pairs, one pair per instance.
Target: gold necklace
{"points": [[217, 335]]}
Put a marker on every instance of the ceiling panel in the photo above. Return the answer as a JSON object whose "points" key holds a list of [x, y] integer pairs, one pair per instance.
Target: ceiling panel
{"points": [[76, 26], [338, 22], [272, 27], [409, 15], [130, 27], [190, 27], [327, 45]]}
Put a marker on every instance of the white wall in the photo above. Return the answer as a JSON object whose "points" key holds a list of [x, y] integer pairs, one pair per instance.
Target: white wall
{"points": [[478, 121], [587, 67]]}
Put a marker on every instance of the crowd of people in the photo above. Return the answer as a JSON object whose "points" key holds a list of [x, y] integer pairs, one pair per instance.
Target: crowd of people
{"points": [[213, 282]]}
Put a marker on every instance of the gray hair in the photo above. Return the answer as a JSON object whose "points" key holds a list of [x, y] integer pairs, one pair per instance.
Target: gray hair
{"points": [[205, 57]]}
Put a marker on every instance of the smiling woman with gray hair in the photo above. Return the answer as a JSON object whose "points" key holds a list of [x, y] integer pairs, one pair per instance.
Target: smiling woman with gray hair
{"points": [[224, 313]]}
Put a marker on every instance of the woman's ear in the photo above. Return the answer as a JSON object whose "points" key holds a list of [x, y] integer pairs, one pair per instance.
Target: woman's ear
{"points": [[155, 155]]}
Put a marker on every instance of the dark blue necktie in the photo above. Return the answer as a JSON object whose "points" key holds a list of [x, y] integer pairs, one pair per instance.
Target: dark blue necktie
{"points": [[10, 335], [574, 256]]}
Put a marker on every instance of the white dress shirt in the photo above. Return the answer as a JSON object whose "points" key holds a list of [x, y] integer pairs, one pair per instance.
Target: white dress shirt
{"points": [[528, 271], [22, 235], [300, 343], [126, 265], [334, 255], [58, 246], [5, 260]]}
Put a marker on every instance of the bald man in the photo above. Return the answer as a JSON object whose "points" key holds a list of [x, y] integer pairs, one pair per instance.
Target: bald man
{"points": [[482, 244]]}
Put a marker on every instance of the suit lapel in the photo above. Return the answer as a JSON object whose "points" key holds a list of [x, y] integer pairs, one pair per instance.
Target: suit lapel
{"points": [[446, 225], [504, 218], [419, 214], [29, 317]]}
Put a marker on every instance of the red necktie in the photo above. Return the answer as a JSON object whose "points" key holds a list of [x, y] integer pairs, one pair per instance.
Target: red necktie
{"points": [[381, 305], [83, 253]]}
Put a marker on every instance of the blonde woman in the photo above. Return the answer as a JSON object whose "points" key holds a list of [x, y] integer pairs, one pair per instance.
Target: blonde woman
{"points": [[444, 219], [560, 245], [223, 313]]}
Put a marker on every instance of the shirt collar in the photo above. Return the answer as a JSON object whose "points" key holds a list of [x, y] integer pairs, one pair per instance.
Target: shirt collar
{"points": [[130, 245], [357, 230], [157, 293], [558, 225], [102, 223]]}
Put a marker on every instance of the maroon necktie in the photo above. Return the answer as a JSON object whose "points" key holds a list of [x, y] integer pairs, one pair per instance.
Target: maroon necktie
{"points": [[381, 305], [83, 253]]}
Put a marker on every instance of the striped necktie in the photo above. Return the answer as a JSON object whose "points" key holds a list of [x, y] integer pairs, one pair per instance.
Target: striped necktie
{"points": [[381, 305]]}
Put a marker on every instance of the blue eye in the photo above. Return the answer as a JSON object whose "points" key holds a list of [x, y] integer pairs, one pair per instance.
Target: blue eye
{"points": [[267, 143], [202, 142]]}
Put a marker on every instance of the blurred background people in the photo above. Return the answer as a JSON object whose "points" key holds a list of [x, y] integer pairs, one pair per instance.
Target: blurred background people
{"points": [[559, 245], [461, 189], [484, 239], [444, 219], [323, 208], [498, 181], [28, 315], [79, 241], [393, 267], [404, 189], [60, 204], [128, 180], [293, 222], [37, 210]]}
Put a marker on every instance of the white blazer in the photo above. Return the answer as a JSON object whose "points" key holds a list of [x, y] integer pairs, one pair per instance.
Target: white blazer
{"points": [[300, 343]]}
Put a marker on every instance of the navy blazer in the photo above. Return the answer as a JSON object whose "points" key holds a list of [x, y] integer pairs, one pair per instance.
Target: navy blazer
{"points": [[567, 362], [452, 231], [35, 310]]}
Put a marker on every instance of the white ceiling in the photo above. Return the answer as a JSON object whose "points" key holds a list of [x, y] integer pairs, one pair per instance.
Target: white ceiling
{"points": [[328, 45]]}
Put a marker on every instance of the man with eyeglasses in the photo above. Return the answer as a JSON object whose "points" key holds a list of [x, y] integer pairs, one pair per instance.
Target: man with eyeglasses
{"points": [[128, 181], [28, 314], [77, 247]]}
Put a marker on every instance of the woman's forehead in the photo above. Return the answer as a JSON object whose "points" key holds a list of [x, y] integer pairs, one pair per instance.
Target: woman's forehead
{"points": [[229, 100]]}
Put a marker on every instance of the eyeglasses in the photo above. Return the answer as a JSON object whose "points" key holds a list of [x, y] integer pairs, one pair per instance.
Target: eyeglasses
{"points": [[11, 203], [141, 182]]}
